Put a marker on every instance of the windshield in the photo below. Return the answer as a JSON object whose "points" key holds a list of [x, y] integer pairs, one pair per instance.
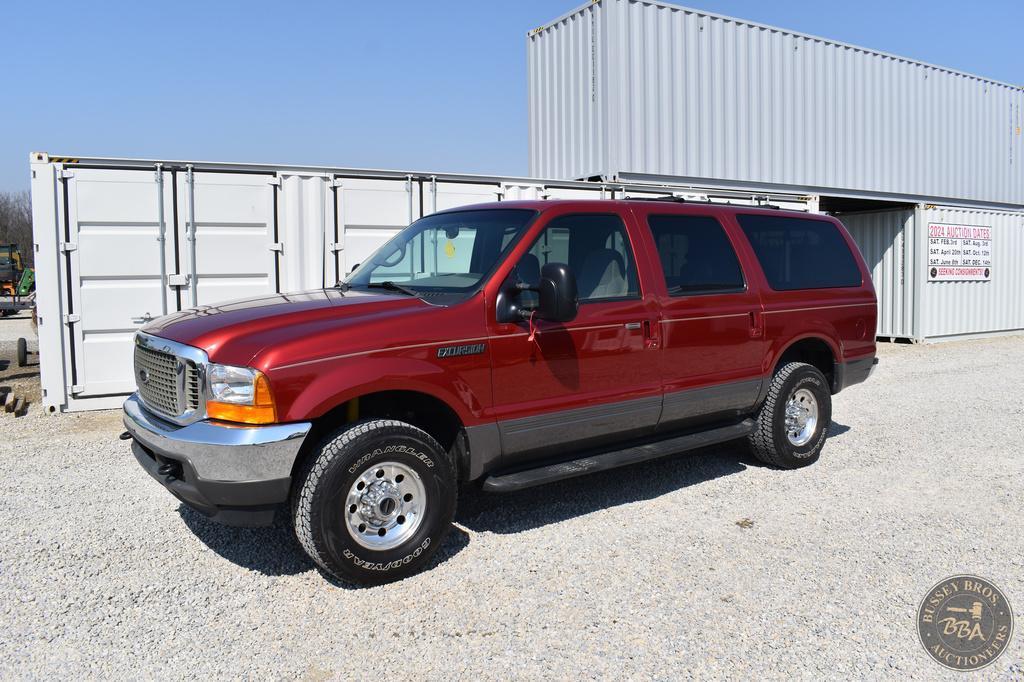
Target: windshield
{"points": [[444, 252]]}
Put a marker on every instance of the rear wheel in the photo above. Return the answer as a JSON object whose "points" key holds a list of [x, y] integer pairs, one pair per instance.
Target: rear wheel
{"points": [[374, 502], [792, 423]]}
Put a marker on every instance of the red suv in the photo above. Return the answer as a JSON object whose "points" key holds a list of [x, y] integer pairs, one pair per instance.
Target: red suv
{"points": [[510, 344]]}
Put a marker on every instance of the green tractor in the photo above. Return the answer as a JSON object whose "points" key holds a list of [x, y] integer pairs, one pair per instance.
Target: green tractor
{"points": [[11, 269], [16, 281]]}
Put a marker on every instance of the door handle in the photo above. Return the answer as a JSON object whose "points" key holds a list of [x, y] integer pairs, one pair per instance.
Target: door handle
{"points": [[632, 325], [650, 335]]}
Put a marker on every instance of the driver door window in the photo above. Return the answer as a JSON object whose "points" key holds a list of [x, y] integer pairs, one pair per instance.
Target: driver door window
{"points": [[597, 250]]}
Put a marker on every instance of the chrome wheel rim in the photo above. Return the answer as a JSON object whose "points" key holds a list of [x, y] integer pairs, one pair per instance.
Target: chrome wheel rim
{"points": [[385, 506], [801, 417]]}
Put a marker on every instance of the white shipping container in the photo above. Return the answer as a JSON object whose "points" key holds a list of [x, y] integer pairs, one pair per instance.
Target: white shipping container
{"points": [[115, 244], [913, 305], [983, 306], [642, 90], [886, 240]]}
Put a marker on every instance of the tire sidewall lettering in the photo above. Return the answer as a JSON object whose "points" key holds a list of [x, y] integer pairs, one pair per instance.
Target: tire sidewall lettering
{"points": [[391, 449], [387, 566], [362, 449], [822, 395]]}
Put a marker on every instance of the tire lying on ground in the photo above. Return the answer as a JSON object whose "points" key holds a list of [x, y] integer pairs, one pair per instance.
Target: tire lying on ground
{"points": [[22, 352], [374, 501], [793, 421]]}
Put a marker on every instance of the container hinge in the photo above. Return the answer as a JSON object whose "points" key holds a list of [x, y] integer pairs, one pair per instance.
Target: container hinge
{"points": [[337, 182], [277, 246], [337, 246], [68, 247], [66, 174], [72, 318], [275, 181], [77, 388]]}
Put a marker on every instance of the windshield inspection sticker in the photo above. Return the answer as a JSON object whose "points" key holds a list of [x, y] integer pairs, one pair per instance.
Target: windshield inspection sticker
{"points": [[965, 622]]}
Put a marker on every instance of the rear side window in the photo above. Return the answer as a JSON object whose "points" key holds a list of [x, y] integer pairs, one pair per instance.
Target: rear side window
{"points": [[797, 253], [696, 255]]}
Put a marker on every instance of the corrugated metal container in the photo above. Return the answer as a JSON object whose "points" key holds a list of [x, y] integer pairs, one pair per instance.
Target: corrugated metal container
{"points": [[637, 90], [886, 240], [979, 307], [121, 241], [912, 305]]}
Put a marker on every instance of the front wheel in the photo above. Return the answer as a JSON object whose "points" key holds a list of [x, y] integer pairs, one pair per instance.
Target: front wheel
{"points": [[374, 502], [793, 421]]}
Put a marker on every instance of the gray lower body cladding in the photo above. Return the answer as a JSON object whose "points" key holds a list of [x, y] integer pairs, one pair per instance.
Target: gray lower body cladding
{"points": [[853, 372], [579, 427], [516, 442]]}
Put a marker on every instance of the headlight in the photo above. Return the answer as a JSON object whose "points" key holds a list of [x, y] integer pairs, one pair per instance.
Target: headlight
{"points": [[239, 394]]}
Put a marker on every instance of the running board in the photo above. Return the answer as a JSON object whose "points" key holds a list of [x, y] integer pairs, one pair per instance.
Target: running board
{"points": [[615, 458]]}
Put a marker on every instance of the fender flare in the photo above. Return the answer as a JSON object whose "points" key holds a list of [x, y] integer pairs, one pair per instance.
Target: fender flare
{"points": [[772, 360]]}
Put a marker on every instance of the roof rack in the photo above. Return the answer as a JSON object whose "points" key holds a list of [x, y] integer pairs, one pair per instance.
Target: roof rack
{"points": [[679, 200], [683, 200], [670, 199]]}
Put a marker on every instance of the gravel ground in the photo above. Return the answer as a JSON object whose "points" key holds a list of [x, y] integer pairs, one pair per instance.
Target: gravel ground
{"points": [[640, 572]]}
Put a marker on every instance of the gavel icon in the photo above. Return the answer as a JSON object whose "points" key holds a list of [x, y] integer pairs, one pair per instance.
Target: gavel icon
{"points": [[975, 610]]}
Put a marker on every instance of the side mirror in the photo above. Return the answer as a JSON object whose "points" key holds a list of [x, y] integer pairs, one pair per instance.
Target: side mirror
{"points": [[557, 291]]}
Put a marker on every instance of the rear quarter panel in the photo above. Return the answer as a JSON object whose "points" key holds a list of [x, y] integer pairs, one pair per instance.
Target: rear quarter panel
{"points": [[843, 317]]}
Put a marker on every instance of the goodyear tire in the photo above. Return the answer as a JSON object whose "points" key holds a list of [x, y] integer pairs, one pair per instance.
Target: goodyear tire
{"points": [[793, 421], [374, 501]]}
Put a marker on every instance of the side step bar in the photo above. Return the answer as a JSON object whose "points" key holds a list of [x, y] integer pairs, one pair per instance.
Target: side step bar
{"points": [[615, 458]]}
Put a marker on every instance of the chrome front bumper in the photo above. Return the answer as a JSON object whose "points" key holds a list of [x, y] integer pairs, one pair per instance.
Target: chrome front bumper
{"points": [[220, 469]]}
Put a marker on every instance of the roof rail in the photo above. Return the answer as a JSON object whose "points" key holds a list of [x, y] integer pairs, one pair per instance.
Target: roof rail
{"points": [[670, 198], [683, 200]]}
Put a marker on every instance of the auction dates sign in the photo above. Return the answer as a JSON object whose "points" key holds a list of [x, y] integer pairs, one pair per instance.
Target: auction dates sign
{"points": [[959, 252]]}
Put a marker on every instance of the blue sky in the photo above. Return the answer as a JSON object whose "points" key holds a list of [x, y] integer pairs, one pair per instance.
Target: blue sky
{"points": [[417, 85]]}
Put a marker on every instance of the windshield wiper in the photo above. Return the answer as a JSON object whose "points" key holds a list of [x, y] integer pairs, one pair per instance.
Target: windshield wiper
{"points": [[391, 286]]}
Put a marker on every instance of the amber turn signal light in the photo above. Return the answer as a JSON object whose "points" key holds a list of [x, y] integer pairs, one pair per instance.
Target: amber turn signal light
{"points": [[262, 411]]}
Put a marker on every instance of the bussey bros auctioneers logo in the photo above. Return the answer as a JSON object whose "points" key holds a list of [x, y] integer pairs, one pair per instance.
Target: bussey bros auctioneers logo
{"points": [[965, 622]]}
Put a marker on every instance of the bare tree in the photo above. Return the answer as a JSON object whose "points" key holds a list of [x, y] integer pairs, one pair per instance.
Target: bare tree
{"points": [[16, 222]]}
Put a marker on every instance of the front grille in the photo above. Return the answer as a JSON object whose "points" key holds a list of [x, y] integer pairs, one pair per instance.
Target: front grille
{"points": [[191, 386], [160, 388]]}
